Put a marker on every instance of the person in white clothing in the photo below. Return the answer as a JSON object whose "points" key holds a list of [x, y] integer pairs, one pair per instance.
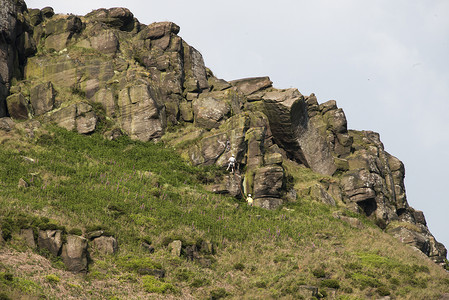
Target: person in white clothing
{"points": [[231, 164]]}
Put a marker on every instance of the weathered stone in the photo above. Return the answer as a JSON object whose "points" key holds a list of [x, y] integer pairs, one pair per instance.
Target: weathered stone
{"points": [[117, 17], [175, 248], [106, 98], [195, 70], [141, 115], [105, 244], [94, 234], [65, 117], [231, 184], [249, 86], [159, 29], [86, 122], [22, 183], [411, 238], [105, 42], [42, 98], [6, 124], [47, 12], [318, 193], [327, 106], [287, 115], [57, 42], [18, 107], [28, 236], [419, 217], [50, 240], [268, 181], [209, 109], [218, 84], [273, 159], [268, 203], [64, 24], [336, 121], [74, 253], [186, 111], [353, 222]]}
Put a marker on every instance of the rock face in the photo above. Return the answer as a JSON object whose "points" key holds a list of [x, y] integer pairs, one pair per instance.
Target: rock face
{"points": [[108, 72]]}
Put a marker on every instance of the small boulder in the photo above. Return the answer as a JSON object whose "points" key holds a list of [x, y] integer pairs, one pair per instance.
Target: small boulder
{"points": [[175, 248], [28, 237], [105, 244], [22, 183], [74, 253]]}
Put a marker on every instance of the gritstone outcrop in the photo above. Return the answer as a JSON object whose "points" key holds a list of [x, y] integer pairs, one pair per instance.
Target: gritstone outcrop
{"points": [[145, 80]]}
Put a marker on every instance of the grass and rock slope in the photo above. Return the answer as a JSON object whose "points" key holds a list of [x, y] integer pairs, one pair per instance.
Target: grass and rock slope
{"points": [[146, 196]]}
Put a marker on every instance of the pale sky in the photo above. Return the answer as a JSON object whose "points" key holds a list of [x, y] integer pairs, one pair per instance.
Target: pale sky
{"points": [[385, 62]]}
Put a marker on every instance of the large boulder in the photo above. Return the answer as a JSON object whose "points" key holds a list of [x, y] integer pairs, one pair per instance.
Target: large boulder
{"points": [[50, 240], [74, 253]]}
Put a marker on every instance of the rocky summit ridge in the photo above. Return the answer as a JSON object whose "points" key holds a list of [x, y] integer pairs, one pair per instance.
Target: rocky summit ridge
{"points": [[107, 72]]}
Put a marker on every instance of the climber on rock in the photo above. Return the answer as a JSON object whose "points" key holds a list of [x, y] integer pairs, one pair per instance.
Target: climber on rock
{"points": [[249, 200], [231, 164]]}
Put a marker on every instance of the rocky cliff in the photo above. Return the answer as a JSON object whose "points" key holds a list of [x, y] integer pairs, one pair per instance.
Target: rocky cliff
{"points": [[107, 72]]}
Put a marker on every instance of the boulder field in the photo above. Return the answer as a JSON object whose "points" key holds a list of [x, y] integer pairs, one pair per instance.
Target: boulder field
{"points": [[108, 72]]}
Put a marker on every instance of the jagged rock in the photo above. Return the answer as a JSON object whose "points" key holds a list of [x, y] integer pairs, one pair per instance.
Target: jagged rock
{"points": [[105, 244], [18, 107], [74, 253], [249, 86], [28, 237], [50, 240], [175, 248], [42, 98]]}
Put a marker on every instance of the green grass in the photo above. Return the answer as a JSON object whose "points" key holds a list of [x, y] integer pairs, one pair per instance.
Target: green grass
{"points": [[139, 191]]}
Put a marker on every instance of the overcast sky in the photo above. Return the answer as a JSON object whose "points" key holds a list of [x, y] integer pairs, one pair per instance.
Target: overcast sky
{"points": [[385, 62]]}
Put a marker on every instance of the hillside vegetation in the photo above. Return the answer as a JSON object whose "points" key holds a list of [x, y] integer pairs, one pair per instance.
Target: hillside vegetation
{"points": [[146, 196]]}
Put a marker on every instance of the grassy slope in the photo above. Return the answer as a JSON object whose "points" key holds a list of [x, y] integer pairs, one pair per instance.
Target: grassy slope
{"points": [[144, 191]]}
